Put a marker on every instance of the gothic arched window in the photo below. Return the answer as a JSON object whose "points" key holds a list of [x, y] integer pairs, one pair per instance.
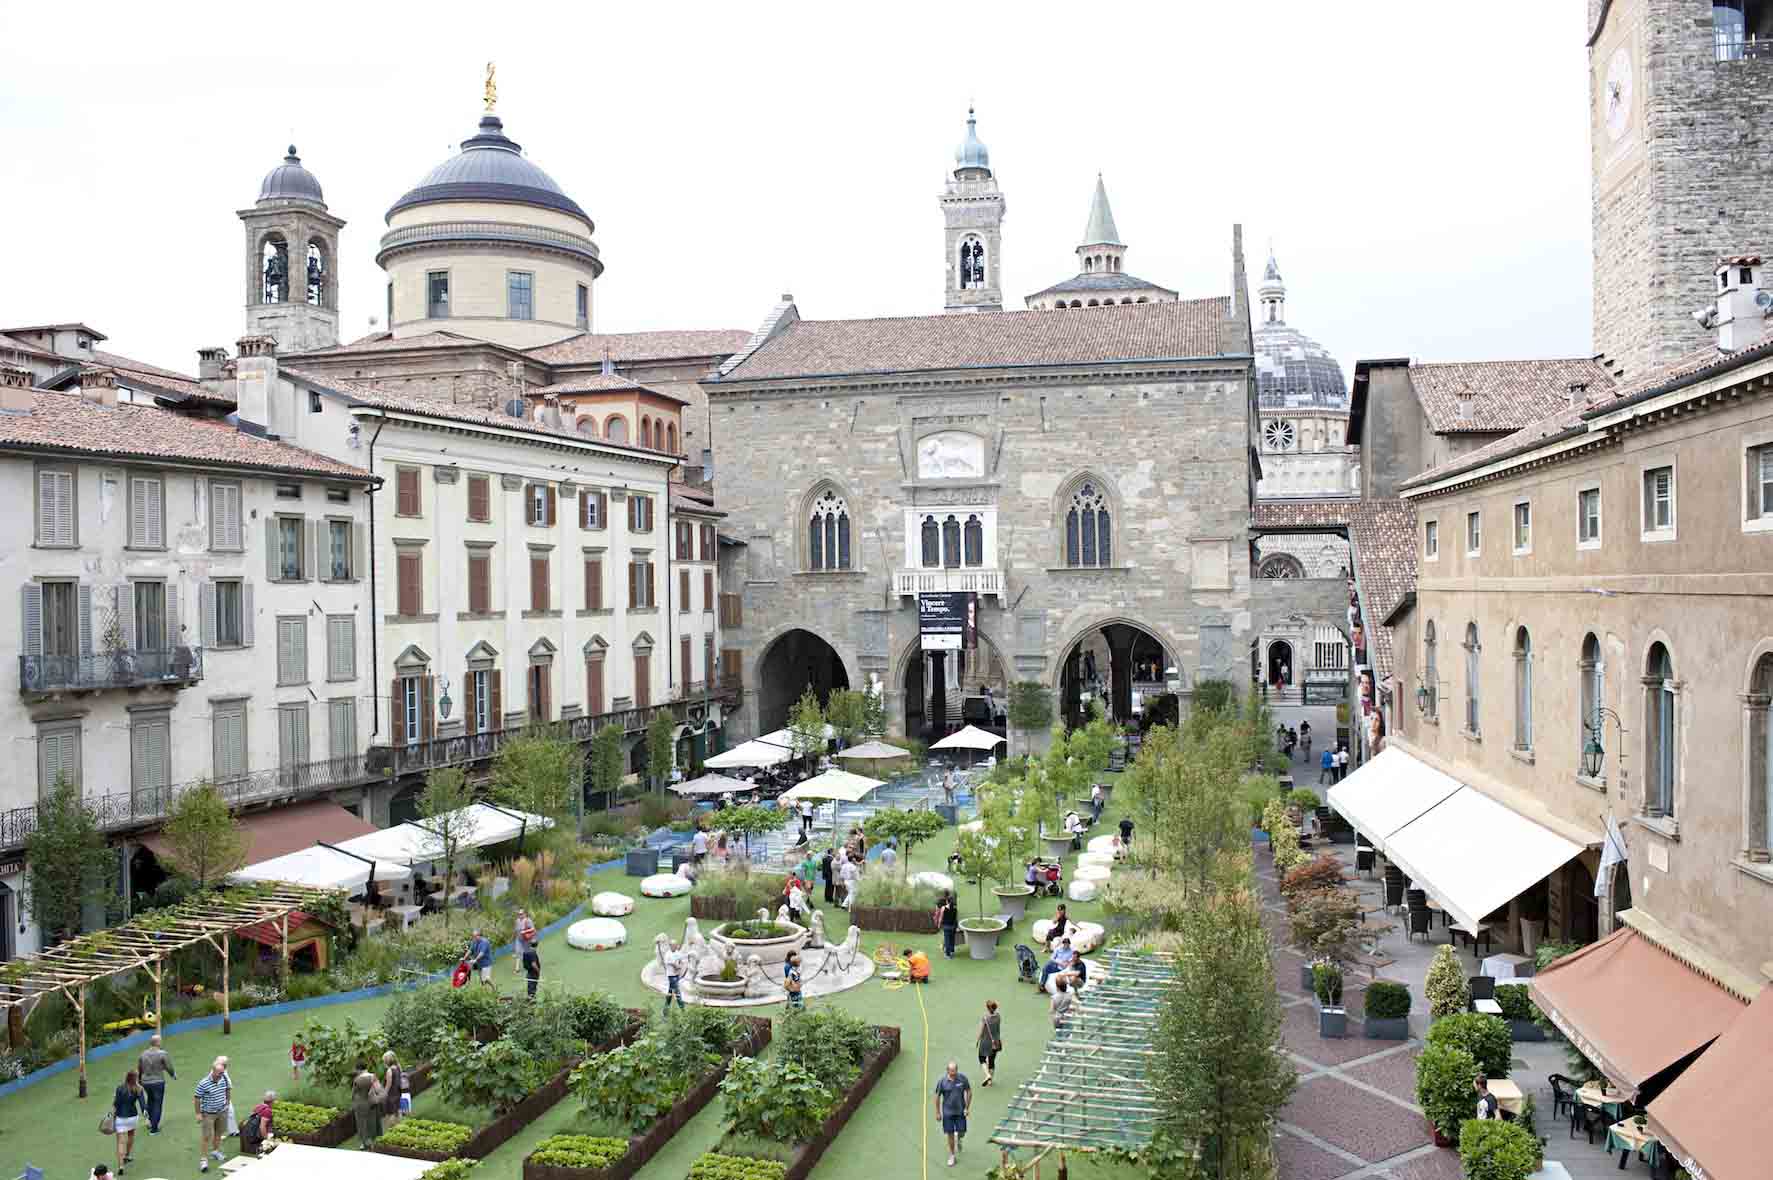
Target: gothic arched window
{"points": [[972, 263], [828, 533], [951, 543], [1087, 530], [973, 540], [930, 538], [646, 433]]}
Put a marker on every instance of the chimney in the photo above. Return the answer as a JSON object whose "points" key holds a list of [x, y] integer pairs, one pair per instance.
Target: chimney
{"points": [[99, 385], [1462, 405], [255, 376], [551, 415], [209, 364], [15, 390], [1741, 312], [1578, 393], [609, 366]]}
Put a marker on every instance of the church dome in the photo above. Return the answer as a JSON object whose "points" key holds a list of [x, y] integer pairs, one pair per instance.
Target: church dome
{"points": [[289, 181], [1293, 371], [971, 153], [490, 167]]}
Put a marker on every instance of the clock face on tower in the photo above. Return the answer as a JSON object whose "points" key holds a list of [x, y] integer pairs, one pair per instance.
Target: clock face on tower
{"points": [[1616, 94]]}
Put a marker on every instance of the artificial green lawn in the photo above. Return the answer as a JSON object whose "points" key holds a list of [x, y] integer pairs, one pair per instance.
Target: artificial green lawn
{"points": [[46, 1125]]}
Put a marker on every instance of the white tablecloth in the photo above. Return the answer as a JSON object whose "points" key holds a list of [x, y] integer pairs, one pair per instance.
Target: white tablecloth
{"points": [[1503, 966]]}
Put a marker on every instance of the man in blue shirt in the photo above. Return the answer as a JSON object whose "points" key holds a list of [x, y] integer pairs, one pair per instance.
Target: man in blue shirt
{"points": [[480, 957], [1061, 961], [954, 1101], [211, 1103]]}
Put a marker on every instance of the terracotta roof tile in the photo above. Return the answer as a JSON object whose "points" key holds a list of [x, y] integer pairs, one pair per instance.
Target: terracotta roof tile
{"points": [[1148, 331], [1500, 395], [166, 379], [386, 342], [1382, 544], [642, 346], [1695, 364], [604, 383], [67, 422]]}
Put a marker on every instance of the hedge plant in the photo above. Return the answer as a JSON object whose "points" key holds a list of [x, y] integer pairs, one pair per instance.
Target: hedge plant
{"points": [[1387, 1000], [1445, 987], [715, 1166], [1514, 1001], [416, 1134], [1492, 1149], [1484, 1037], [579, 1151], [1443, 1087], [779, 1100]]}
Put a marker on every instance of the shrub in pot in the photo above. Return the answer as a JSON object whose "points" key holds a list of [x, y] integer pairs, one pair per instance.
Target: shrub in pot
{"points": [[1326, 982], [1491, 1149], [1323, 872], [1443, 1089], [1387, 1011], [1484, 1037], [1519, 1011], [1445, 988]]}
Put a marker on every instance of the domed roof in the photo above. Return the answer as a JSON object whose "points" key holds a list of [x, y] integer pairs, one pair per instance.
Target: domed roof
{"points": [[289, 181], [971, 153], [490, 167], [1293, 370]]}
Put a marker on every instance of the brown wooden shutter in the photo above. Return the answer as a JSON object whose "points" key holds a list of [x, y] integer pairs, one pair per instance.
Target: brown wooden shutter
{"points": [[479, 584], [594, 686], [643, 679], [495, 715], [602, 510], [470, 707], [553, 504], [397, 712], [707, 590], [683, 590], [545, 691], [428, 708], [479, 498], [651, 587], [406, 480], [538, 582], [633, 584], [410, 597], [683, 655], [593, 583], [708, 658], [585, 495]]}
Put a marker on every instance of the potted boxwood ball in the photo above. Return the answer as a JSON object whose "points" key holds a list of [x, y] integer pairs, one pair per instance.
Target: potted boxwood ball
{"points": [[1332, 1017], [1517, 1009], [1387, 1011]]}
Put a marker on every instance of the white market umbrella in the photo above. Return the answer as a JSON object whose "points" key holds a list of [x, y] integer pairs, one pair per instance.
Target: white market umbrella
{"points": [[874, 750], [756, 752], [712, 784], [834, 784], [970, 738], [321, 867]]}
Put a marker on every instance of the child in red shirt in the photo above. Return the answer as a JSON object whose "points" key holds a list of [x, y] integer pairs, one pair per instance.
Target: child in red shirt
{"points": [[298, 1057]]}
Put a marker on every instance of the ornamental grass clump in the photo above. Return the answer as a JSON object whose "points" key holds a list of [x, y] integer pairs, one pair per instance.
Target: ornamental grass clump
{"points": [[1445, 987]]}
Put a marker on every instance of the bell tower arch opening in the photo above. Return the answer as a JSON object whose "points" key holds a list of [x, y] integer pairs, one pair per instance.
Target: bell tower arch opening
{"points": [[796, 661]]}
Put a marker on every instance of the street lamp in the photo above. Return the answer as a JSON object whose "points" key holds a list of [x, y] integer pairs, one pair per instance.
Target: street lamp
{"points": [[1594, 754], [443, 702]]}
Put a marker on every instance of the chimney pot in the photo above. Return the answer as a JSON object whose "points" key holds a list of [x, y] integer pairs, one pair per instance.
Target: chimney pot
{"points": [[209, 363], [99, 385], [15, 390], [256, 346]]}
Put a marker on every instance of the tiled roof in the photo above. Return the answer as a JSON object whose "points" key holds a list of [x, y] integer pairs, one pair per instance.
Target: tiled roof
{"points": [[32, 349], [1567, 420], [1142, 331], [67, 422], [387, 341], [1501, 395], [693, 501], [1102, 282], [1382, 543], [604, 383], [367, 395], [154, 375], [641, 346], [1698, 363]]}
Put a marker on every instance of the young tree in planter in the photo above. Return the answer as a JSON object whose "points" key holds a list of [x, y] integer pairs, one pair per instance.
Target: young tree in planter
{"points": [[68, 866], [1445, 987], [660, 754], [847, 713], [1189, 789], [1221, 1069], [1443, 1088], [1326, 924], [537, 772], [606, 762], [1030, 708], [753, 820], [806, 726], [907, 828], [203, 839], [447, 823]]}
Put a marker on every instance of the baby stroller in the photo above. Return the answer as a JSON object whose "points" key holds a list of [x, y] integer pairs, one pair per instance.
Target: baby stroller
{"points": [[1049, 878], [1027, 965]]}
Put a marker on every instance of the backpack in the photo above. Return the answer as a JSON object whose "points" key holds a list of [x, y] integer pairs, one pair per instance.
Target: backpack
{"points": [[250, 1128]]}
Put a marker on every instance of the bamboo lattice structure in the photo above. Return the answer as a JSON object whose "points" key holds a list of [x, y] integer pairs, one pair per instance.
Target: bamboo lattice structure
{"points": [[1091, 1090]]}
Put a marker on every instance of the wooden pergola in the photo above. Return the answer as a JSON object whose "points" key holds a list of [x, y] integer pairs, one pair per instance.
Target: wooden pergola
{"points": [[146, 942], [1092, 1089]]}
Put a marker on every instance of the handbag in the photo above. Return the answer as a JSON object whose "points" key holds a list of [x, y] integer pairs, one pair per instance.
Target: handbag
{"points": [[108, 1123]]}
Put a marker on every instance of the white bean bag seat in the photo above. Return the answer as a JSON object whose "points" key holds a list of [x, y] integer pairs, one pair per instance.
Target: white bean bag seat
{"points": [[1103, 860], [977, 825], [665, 885], [612, 905], [1088, 937], [1041, 927], [596, 934], [1097, 873], [934, 880], [1081, 890], [1101, 844]]}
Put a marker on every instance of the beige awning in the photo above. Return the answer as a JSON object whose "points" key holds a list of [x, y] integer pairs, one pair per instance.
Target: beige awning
{"points": [[283, 830], [1705, 1116], [1631, 1007]]}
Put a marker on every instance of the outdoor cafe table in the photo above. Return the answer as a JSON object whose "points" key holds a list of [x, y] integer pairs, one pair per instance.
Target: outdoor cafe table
{"points": [[1508, 1095], [1611, 1101], [1627, 1138], [1504, 966]]}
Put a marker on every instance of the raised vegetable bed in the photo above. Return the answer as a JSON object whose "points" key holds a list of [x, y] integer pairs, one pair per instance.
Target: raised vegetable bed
{"points": [[898, 921], [344, 1126], [713, 909]]}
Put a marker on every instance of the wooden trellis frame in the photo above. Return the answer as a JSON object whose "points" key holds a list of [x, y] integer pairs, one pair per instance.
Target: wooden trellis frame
{"points": [[144, 944], [1091, 1090]]}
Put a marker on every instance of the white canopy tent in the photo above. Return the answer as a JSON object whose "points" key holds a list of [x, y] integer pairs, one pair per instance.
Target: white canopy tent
{"points": [[970, 738], [874, 751], [482, 825], [323, 867], [711, 784], [833, 784]]}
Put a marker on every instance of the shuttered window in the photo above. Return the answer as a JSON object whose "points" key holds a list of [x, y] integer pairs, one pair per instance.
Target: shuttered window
{"points": [[708, 658], [540, 505], [731, 664], [147, 512], [55, 508], [227, 613], [289, 548], [707, 542], [292, 650], [485, 702], [409, 570], [594, 698], [225, 531], [640, 583], [541, 694], [341, 647], [732, 611], [643, 679], [413, 709], [593, 509], [229, 739], [683, 591], [152, 622], [292, 735], [150, 754], [479, 498], [58, 755], [594, 583], [708, 591], [341, 728], [406, 492], [339, 559], [56, 619], [683, 660], [681, 534], [479, 582], [538, 581], [640, 514]]}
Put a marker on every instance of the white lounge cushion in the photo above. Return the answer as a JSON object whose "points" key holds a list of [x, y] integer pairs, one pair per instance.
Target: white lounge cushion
{"points": [[665, 885], [1101, 844], [1097, 873], [934, 880], [596, 934], [1100, 859], [1088, 937], [612, 905], [1079, 889]]}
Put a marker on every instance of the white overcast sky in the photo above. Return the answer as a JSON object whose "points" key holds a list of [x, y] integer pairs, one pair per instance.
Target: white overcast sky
{"points": [[1422, 168]]}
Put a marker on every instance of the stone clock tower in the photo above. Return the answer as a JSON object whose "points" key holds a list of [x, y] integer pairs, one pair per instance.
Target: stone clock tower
{"points": [[1681, 135]]}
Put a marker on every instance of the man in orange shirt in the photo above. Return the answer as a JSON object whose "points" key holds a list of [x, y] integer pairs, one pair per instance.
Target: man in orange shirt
{"points": [[920, 965]]}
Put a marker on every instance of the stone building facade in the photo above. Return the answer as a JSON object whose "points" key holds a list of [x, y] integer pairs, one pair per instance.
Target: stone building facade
{"points": [[1681, 126]]}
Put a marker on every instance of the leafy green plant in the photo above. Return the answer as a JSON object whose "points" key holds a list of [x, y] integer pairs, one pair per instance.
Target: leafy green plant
{"points": [[829, 1042], [537, 771], [806, 725], [1326, 924], [333, 1053], [1445, 987], [639, 1082], [753, 820], [450, 1170], [1304, 798], [413, 1023], [416, 1134], [1326, 984], [750, 891], [754, 930], [298, 1118], [1213, 696], [595, 1018], [68, 865], [1030, 705], [1492, 1149], [579, 1151], [605, 761], [1443, 1086], [715, 1166], [848, 712], [1257, 791], [468, 1009], [890, 891], [203, 839], [1283, 837], [1323, 872], [780, 1100], [1515, 1002], [1387, 1001], [660, 751], [497, 1075], [1147, 901], [908, 828], [1484, 1037]]}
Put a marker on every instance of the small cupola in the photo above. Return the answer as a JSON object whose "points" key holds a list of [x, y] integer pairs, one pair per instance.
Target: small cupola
{"points": [[1740, 314]]}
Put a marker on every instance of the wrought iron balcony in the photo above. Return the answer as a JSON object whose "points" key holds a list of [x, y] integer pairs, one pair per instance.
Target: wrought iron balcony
{"points": [[172, 667], [145, 805], [977, 579]]}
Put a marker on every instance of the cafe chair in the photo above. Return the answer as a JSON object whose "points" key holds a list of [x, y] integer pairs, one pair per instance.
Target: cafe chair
{"points": [[1421, 922], [1482, 987], [1563, 1093]]}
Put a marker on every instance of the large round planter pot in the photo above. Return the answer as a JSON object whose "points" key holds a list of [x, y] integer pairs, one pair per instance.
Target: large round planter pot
{"points": [[769, 951], [1057, 846], [982, 935], [716, 988], [1014, 902]]}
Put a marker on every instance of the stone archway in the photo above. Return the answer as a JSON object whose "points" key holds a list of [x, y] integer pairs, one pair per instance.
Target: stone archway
{"points": [[943, 691], [792, 662], [1113, 660], [1280, 664]]}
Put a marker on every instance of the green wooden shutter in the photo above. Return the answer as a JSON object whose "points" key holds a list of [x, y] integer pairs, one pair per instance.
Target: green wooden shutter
{"points": [[207, 609], [31, 618], [245, 613]]}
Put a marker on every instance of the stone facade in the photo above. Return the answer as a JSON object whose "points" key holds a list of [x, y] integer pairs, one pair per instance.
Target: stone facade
{"points": [[1683, 171]]}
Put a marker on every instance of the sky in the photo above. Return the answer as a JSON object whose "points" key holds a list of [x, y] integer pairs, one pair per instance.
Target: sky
{"points": [[1421, 169]]}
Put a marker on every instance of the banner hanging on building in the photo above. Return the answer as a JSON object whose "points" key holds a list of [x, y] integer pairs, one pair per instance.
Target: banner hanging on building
{"points": [[948, 621]]}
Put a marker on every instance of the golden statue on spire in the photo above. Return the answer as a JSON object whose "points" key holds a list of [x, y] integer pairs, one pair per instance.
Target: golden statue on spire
{"points": [[492, 87]]}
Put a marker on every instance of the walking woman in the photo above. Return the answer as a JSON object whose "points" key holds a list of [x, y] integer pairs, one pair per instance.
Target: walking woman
{"points": [[393, 1082], [990, 1040], [127, 1105], [366, 1106], [948, 918]]}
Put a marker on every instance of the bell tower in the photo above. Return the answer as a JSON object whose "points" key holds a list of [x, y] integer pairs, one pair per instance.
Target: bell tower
{"points": [[973, 209], [292, 250]]}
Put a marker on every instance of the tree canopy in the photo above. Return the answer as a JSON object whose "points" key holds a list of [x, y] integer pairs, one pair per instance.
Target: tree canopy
{"points": [[203, 839], [660, 752], [538, 772], [444, 815], [806, 725], [68, 866]]}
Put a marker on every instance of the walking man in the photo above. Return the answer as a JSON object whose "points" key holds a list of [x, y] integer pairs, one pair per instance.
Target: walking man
{"points": [[480, 958], [523, 925], [532, 963], [153, 1068], [825, 871], [1096, 801], [211, 1104], [806, 820], [954, 1101], [674, 962], [948, 921], [1326, 766]]}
